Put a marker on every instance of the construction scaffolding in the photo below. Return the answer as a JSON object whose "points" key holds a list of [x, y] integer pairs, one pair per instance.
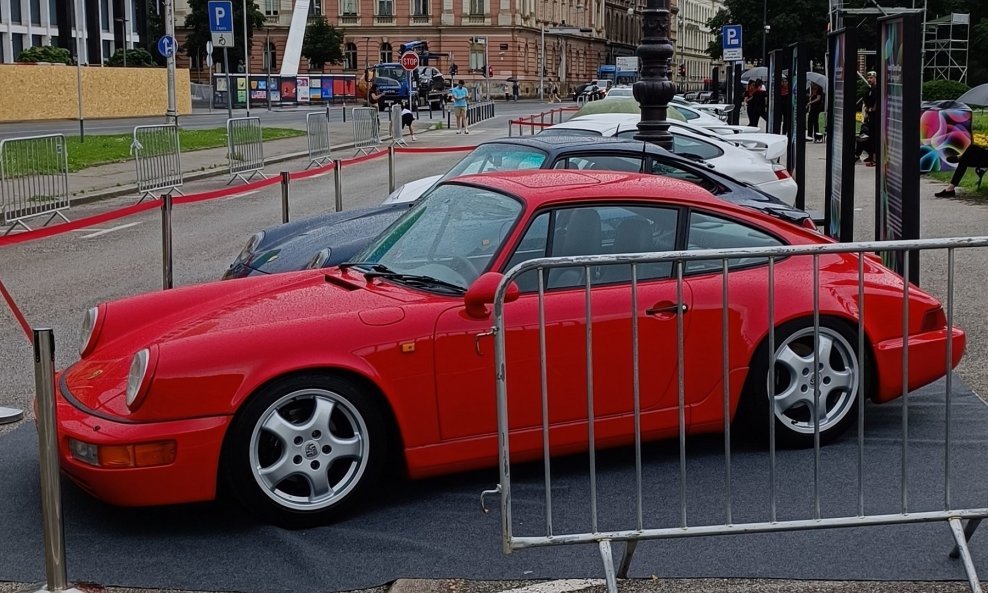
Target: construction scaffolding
{"points": [[946, 47]]}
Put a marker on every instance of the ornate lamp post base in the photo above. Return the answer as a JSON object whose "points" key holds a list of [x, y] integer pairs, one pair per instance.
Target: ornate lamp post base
{"points": [[654, 90]]}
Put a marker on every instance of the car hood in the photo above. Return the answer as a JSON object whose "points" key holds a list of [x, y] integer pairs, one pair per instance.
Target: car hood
{"points": [[188, 318]]}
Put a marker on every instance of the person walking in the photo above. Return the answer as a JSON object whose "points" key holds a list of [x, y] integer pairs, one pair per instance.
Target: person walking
{"points": [[460, 107], [814, 107], [408, 120], [514, 89], [755, 100], [973, 156], [785, 107], [866, 140]]}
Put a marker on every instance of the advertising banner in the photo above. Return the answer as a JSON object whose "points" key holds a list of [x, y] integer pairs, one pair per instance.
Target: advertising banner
{"points": [[288, 88], [944, 135], [302, 89], [326, 88], [897, 179], [796, 156], [838, 220]]}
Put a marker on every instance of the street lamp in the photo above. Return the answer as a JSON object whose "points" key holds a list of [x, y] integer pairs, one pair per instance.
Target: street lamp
{"points": [[765, 28], [123, 27], [654, 90]]}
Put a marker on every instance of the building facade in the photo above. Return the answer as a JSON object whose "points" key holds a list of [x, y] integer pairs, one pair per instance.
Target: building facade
{"points": [[692, 64]]}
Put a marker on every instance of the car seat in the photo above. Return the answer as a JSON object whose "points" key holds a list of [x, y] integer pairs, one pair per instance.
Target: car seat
{"points": [[579, 236], [633, 235]]}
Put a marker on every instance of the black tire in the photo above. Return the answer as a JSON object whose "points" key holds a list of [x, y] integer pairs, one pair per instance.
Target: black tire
{"points": [[299, 436], [840, 385]]}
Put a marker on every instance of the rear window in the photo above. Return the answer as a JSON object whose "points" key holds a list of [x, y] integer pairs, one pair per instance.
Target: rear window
{"points": [[568, 132]]}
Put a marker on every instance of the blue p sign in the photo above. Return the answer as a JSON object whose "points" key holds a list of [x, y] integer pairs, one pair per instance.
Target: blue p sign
{"points": [[221, 22], [731, 37]]}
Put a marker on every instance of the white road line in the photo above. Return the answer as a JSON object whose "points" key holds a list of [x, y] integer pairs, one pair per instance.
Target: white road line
{"points": [[560, 586], [110, 230]]}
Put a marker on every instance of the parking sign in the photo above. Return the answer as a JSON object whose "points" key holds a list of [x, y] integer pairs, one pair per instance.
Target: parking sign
{"points": [[731, 37], [221, 22]]}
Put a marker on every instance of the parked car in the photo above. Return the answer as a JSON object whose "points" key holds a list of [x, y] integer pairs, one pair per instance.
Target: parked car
{"points": [[295, 391], [725, 156], [328, 239]]}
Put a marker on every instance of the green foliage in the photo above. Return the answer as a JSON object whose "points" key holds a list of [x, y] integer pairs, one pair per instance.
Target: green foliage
{"points": [[45, 53], [323, 44], [137, 57], [197, 23], [156, 30], [791, 21], [940, 90], [716, 46]]}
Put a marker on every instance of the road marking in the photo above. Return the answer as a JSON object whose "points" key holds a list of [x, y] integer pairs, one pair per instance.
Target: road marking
{"points": [[560, 586], [110, 230]]}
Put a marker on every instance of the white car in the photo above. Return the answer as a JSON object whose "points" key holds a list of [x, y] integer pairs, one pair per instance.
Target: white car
{"points": [[622, 91], [720, 152]]}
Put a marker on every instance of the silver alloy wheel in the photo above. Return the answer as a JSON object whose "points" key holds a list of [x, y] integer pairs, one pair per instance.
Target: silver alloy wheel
{"points": [[796, 383], [309, 449]]}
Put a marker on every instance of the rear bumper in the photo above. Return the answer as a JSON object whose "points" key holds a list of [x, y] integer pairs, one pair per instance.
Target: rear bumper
{"points": [[927, 356]]}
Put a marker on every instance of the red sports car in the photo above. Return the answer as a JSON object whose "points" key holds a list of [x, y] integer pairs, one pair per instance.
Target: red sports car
{"points": [[295, 389]]}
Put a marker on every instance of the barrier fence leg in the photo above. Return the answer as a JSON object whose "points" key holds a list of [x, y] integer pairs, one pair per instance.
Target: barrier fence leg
{"points": [[286, 180], [629, 551], [608, 558], [338, 183], [166, 241], [961, 535], [51, 490], [391, 169]]}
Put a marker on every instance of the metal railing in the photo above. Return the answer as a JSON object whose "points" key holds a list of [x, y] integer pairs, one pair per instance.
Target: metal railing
{"points": [[34, 179], [396, 128], [366, 130], [666, 519], [245, 148], [158, 158], [478, 112], [317, 134]]}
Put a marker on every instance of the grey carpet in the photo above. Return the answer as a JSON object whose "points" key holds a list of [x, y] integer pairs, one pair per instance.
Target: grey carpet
{"points": [[434, 528]]}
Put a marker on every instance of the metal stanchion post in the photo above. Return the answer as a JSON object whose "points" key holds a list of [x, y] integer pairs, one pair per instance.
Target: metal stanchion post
{"points": [[286, 180], [509, 128], [338, 182], [391, 168], [166, 241], [448, 118], [51, 491]]}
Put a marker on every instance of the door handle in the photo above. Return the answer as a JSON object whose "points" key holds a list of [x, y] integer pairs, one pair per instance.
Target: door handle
{"points": [[666, 307], [476, 340]]}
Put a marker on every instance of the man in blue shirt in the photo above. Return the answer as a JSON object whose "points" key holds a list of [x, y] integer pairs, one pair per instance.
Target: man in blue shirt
{"points": [[460, 107]]}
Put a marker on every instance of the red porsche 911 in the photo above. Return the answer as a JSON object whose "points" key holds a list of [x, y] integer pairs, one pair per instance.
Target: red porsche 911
{"points": [[295, 390]]}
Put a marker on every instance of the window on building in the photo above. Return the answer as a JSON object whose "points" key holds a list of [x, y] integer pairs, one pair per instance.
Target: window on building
{"points": [[17, 40], [385, 8], [385, 53], [15, 17], [104, 14], [3, 43], [35, 12], [477, 58], [315, 8], [107, 52], [350, 56], [52, 12], [420, 7], [477, 7], [349, 8], [37, 41], [270, 57], [271, 7]]}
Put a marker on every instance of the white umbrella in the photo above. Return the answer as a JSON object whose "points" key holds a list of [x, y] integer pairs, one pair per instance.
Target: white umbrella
{"points": [[754, 74], [977, 96], [818, 78]]}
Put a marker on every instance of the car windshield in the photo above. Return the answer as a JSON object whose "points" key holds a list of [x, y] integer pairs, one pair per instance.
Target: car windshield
{"points": [[451, 234], [498, 157], [621, 92], [393, 72]]}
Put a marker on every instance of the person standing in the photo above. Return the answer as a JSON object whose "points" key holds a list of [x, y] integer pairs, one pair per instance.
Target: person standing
{"points": [[866, 138], [755, 99], [460, 107], [408, 120], [514, 89], [814, 107], [785, 105]]}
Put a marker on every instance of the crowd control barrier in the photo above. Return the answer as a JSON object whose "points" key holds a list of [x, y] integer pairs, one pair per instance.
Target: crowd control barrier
{"points": [[245, 144], [158, 159], [366, 130], [396, 128], [317, 134], [34, 180], [545, 119], [920, 496]]}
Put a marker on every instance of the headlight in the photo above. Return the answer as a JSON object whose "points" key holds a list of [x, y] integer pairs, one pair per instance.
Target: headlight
{"points": [[251, 246], [137, 378], [89, 323], [319, 259], [393, 196]]}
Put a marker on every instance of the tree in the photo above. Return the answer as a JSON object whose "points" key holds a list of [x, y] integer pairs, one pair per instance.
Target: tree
{"points": [[155, 31], [45, 53], [197, 24], [137, 57], [791, 21], [323, 44]]}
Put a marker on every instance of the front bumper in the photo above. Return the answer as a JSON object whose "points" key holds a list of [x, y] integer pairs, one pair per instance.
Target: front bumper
{"points": [[192, 477]]}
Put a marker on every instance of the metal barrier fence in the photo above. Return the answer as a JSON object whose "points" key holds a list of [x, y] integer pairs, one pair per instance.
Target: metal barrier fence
{"points": [[366, 130], [808, 371], [555, 116], [396, 139], [158, 158], [245, 143], [478, 112], [34, 179], [317, 134]]}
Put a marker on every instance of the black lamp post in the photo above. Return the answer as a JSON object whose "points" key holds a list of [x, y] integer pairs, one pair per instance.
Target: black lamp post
{"points": [[654, 90]]}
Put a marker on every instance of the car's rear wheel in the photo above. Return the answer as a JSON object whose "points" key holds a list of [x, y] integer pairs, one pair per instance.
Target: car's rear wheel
{"points": [[304, 448], [809, 384]]}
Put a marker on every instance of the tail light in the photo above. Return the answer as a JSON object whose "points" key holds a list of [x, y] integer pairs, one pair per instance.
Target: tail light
{"points": [[808, 223], [933, 320], [781, 173]]}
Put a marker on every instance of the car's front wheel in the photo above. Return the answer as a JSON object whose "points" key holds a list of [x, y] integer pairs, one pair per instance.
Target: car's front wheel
{"points": [[814, 381], [304, 448]]}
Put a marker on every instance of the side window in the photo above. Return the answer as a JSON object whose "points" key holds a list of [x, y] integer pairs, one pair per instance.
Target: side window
{"points": [[711, 232], [597, 230], [675, 171], [601, 163], [687, 113], [687, 146]]}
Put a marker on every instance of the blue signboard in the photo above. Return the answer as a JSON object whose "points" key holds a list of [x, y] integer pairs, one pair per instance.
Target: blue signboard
{"points": [[221, 22], [166, 46], [731, 38]]}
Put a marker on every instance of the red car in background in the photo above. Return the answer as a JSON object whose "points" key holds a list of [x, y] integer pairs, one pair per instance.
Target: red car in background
{"points": [[296, 389]]}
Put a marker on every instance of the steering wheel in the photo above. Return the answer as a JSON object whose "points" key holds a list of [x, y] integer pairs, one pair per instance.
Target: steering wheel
{"points": [[464, 267]]}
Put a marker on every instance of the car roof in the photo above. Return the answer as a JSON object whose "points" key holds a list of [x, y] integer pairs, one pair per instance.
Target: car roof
{"points": [[544, 186], [563, 144]]}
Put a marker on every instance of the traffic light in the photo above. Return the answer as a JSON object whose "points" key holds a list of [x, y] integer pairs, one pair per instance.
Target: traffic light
{"points": [[453, 69]]}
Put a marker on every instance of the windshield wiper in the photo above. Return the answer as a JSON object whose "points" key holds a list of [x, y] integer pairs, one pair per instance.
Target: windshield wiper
{"points": [[366, 264], [415, 279]]}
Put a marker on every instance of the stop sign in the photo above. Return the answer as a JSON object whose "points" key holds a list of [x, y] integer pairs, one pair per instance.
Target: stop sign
{"points": [[409, 60]]}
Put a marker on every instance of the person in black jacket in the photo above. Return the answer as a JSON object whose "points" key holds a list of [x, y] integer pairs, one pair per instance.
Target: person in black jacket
{"points": [[869, 127], [756, 99]]}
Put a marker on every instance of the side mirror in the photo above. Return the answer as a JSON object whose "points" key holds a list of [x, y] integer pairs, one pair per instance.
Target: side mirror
{"points": [[481, 293]]}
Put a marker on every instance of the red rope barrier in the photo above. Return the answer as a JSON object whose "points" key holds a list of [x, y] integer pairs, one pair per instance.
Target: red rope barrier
{"points": [[226, 191], [366, 157], [312, 172], [17, 313], [82, 223]]}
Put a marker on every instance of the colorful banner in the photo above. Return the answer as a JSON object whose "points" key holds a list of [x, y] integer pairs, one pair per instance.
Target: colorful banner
{"points": [[302, 89], [288, 90], [944, 135], [899, 80], [841, 102]]}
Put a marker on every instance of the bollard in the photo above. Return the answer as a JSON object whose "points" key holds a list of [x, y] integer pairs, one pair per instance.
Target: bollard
{"points": [[542, 120], [286, 180], [344, 111], [51, 490], [448, 116], [338, 182], [391, 168], [510, 128], [166, 241]]}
